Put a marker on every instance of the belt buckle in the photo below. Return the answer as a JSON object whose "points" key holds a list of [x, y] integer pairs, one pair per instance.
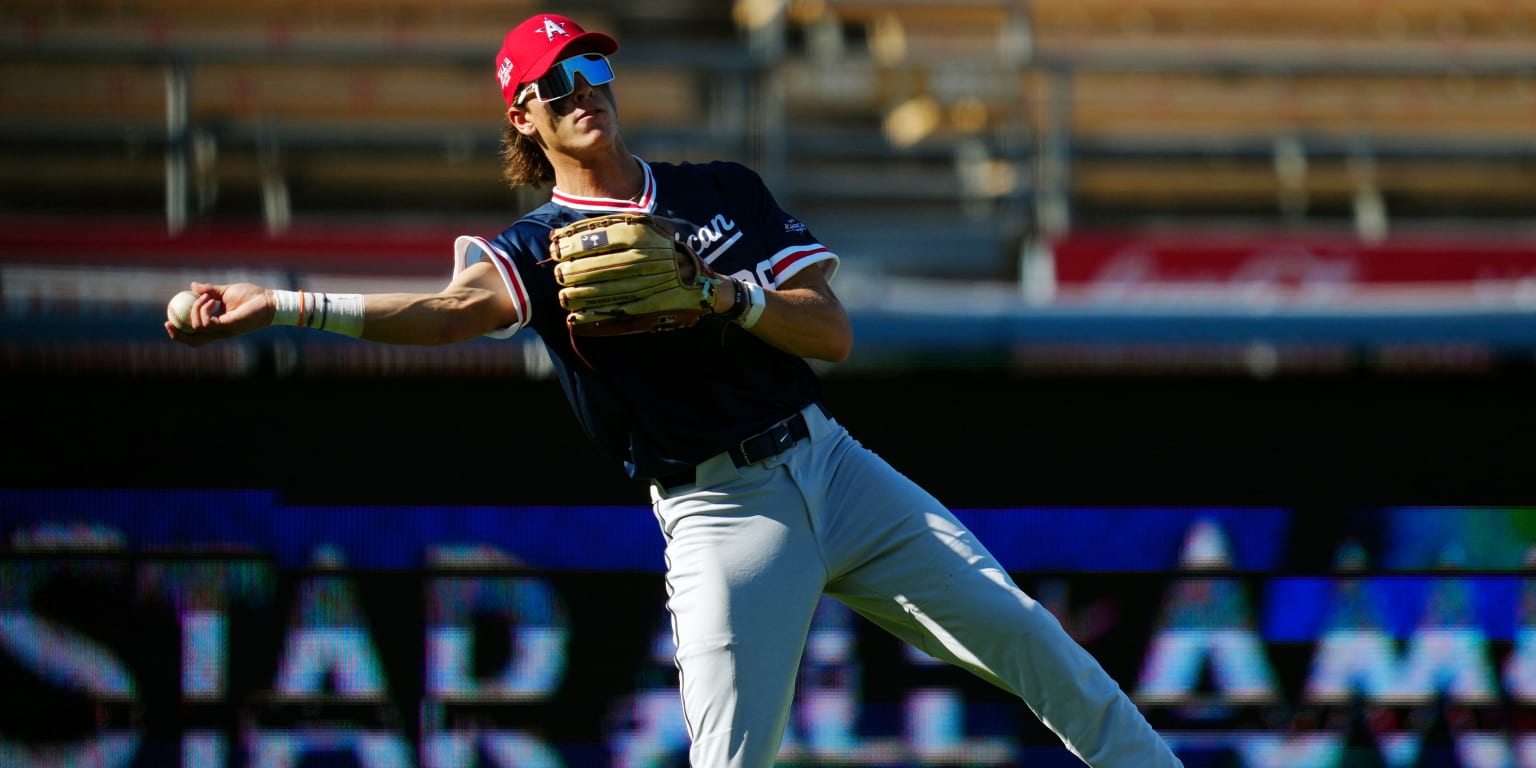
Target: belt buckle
{"points": [[748, 458]]}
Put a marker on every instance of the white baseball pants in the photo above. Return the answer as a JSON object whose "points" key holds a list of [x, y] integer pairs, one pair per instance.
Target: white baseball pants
{"points": [[750, 551]]}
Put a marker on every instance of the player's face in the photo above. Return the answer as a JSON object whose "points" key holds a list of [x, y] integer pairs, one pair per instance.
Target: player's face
{"points": [[583, 119]]}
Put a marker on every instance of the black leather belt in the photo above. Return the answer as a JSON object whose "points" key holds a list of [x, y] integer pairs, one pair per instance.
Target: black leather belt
{"points": [[760, 447]]}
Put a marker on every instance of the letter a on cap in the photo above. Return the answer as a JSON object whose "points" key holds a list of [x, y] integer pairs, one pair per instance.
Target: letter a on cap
{"points": [[552, 28]]}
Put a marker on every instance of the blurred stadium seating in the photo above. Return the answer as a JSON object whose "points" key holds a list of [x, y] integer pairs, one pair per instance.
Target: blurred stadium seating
{"points": [[281, 109], [1014, 115], [966, 141]]}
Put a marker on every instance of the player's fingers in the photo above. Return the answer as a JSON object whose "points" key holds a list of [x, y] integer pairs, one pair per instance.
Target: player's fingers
{"points": [[204, 308], [686, 266], [208, 295], [240, 317], [190, 339]]}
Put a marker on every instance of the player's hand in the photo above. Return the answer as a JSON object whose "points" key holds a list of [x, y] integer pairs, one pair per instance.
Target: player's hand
{"points": [[223, 311], [687, 265]]}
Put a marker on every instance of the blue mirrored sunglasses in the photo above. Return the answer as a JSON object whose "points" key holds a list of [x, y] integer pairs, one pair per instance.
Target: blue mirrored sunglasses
{"points": [[560, 80]]}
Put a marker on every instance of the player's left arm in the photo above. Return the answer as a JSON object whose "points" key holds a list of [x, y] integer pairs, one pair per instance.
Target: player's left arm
{"points": [[804, 317]]}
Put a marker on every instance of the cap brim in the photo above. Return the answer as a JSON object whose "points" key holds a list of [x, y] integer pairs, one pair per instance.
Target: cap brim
{"points": [[597, 41]]}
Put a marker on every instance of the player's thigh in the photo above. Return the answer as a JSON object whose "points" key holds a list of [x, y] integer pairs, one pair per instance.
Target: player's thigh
{"points": [[972, 616], [735, 578], [742, 576], [936, 586]]}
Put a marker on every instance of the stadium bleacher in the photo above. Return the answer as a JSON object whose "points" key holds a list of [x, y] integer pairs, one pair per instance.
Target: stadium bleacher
{"points": [[866, 116], [350, 107]]}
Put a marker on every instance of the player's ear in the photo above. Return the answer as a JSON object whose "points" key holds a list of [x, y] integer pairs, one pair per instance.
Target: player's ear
{"points": [[521, 121]]}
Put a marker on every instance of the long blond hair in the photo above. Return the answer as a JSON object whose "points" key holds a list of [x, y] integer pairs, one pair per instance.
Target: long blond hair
{"points": [[522, 159]]}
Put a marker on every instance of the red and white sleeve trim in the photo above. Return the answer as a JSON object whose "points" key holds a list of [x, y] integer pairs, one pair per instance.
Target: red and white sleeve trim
{"points": [[509, 275], [786, 263]]}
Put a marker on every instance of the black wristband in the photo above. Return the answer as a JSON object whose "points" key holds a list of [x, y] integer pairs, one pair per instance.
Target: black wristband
{"points": [[739, 307]]}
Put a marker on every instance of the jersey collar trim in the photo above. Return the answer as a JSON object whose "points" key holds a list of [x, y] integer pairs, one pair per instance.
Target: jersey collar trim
{"points": [[646, 202]]}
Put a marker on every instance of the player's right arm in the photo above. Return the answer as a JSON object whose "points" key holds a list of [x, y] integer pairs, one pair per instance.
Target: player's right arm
{"points": [[476, 302]]}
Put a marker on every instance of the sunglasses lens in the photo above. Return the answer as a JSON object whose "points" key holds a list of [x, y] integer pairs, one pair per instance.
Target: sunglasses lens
{"points": [[560, 80], [593, 67]]}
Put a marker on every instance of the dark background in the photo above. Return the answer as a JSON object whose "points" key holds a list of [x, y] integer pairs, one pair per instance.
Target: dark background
{"points": [[974, 437]]}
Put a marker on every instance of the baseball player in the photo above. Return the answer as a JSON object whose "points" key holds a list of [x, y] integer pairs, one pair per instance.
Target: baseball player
{"points": [[678, 304]]}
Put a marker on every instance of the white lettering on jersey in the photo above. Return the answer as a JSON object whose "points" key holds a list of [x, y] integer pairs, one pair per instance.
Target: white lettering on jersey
{"points": [[552, 28], [713, 232]]}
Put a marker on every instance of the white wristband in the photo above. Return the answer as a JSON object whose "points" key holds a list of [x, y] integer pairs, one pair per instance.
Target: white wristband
{"points": [[757, 301], [335, 312]]}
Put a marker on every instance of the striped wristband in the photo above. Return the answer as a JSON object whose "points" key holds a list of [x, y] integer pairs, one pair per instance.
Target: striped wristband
{"points": [[335, 312]]}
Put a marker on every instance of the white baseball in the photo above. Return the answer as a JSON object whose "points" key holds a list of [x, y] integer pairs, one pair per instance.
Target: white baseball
{"points": [[179, 311]]}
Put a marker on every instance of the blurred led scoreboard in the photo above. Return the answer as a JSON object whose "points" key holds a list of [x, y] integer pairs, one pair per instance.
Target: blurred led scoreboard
{"points": [[228, 628]]}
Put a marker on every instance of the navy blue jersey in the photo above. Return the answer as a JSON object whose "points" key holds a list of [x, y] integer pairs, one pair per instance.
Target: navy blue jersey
{"points": [[663, 402]]}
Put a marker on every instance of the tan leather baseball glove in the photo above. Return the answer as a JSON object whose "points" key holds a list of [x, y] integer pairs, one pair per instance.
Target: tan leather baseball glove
{"points": [[627, 273]]}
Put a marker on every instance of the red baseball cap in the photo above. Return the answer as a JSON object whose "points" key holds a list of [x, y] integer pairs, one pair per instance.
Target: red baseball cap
{"points": [[533, 45]]}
